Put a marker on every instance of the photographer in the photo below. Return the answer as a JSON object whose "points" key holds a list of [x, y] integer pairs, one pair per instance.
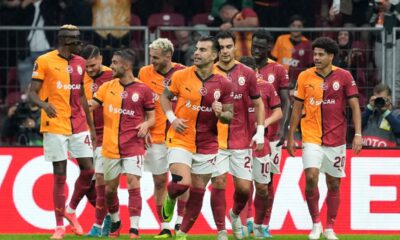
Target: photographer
{"points": [[380, 122]]}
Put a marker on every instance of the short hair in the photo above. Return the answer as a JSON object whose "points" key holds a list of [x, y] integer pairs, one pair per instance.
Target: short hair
{"points": [[214, 46], [127, 54], [263, 34], [326, 43], [90, 51], [381, 87], [225, 35], [296, 17], [227, 5], [248, 61], [65, 28], [164, 44]]}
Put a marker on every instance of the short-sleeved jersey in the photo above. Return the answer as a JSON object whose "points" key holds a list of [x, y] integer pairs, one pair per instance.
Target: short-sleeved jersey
{"points": [[275, 74], [271, 101], [195, 98], [324, 101], [244, 85], [91, 87], [62, 85], [157, 82], [124, 109]]}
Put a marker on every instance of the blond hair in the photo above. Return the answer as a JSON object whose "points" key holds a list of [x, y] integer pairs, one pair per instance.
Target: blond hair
{"points": [[69, 27], [164, 44]]}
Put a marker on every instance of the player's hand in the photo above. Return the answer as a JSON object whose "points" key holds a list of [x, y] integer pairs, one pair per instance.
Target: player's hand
{"points": [[291, 146], [179, 125], [259, 143], [93, 138], [281, 135], [217, 108], [147, 140], [50, 110], [143, 129], [357, 144]]}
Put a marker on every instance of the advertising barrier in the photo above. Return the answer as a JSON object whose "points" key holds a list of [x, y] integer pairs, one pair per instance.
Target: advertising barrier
{"points": [[370, 201]]}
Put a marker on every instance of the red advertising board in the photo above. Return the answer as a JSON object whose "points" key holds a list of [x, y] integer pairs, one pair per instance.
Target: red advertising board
{"points": [[370, 201]]}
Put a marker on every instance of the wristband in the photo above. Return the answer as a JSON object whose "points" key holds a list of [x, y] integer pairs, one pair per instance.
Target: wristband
{"points": [[171, 116], [260, 130], [358, 134]]}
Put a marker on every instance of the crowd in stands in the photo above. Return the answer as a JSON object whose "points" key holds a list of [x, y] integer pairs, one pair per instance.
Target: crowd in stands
{"points": [[360, 52]]}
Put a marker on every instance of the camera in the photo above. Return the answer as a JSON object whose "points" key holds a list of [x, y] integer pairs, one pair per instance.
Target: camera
{"points": [[379, 102]]}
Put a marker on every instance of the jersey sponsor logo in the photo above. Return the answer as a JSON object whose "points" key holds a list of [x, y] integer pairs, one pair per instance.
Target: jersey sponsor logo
{"points": [[197, 107], [166, 82], [237, 96], [94, 87], [124, 94], [70, 69], [241, 81], [121, 111], [68, 86], [314, 102], [336, 85], [251, 110], [324, 86], [217, 95], [79, 69], [135, 97], [271, 78], [203, 91], [291, 62]]}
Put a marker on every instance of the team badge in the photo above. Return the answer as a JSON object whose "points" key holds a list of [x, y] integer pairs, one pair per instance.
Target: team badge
{"points": [[271, 78], [69, 69], [79, 69], [324, 86], [166, 82], [203, 91], [188, 104], [217, 95], [135, 97], [301, 52], [336, 85], [124, 94], [59, 84], [94, 87], [241, 81]]}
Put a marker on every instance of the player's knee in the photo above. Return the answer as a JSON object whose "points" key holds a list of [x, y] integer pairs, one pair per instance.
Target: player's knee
{"points": [[219, 182], [262, 190], [176, 178], [160, 182]]}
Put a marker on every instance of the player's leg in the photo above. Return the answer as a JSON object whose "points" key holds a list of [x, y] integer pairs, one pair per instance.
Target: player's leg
{"points": [[181, 205]]}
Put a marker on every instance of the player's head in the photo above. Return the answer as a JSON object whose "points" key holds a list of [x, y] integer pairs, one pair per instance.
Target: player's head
{"points": [[296, 21], [248, 61], [206, 51], [227, 11], [68, 37], [122, 62], [324, 49], [226, 45], [93, 59], [161, 51], [261, 45]]}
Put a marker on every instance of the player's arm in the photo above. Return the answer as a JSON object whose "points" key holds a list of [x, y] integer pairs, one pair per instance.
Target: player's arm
{"points": [[285, 102], [165, 100], [93, 104], [275, 116], [89, 119], [146, 125], [294, 123], [226, 113], [356, 113], [33, 95], [259, 111]]}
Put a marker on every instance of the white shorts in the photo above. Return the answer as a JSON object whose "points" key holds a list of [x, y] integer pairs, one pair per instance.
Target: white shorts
{"points": [[241, 164], [330, 160], [156, 159], [262, 169], [199, 163], [222, 162], [57, 146], [276, 154], [98, 160], [113, 167]]}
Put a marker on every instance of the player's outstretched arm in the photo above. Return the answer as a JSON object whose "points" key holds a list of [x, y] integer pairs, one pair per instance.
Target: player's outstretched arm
{"points": [[34, 98], [294, 123], [356, 113]]}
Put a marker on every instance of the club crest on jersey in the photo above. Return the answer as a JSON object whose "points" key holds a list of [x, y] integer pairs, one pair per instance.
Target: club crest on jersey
{"points": [[79, 69], [271, 78], [241, 80], [203, 91], [135, 97], [324, 86], [217, 95], [70, 69], [124, 94], [166, 82], [301, 52], [94, 87], [336, 85]]}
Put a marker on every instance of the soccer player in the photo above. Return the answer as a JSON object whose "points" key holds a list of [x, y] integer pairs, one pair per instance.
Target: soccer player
{"points": [[128, 115], [275, 74], [234, 138], [203, 99], [96, 75], [262, 159], [58, 75], [323, 92], [157, 77]]}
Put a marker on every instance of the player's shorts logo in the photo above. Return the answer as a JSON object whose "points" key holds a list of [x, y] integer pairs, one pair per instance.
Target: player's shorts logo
{"points": [[135, 97], [241, 81], [69, 69], [166, 82], [336, 85], [271, 78], [217, 95], [124, 94], [94, 87], [203, 91], [79, 69]]}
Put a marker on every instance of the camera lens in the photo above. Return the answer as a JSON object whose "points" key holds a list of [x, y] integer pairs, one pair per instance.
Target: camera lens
{"points": [[379, 102]]}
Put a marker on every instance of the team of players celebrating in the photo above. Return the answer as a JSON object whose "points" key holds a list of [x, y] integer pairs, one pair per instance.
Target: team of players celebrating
{"points": [[197, 122]]}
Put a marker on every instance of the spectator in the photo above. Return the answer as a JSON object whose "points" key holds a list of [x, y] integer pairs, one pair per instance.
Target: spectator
{"points": [[380, 122], [239, 4], [183, 44], [77, 12], [293, 50]]}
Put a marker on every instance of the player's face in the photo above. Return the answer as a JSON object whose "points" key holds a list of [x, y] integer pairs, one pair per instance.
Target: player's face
{"points": [[158, 59], [204, 54], [93, 66], [322, 59], [73, 42], [118, 67], [227, 50], [296, 24], [259, 49]]}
